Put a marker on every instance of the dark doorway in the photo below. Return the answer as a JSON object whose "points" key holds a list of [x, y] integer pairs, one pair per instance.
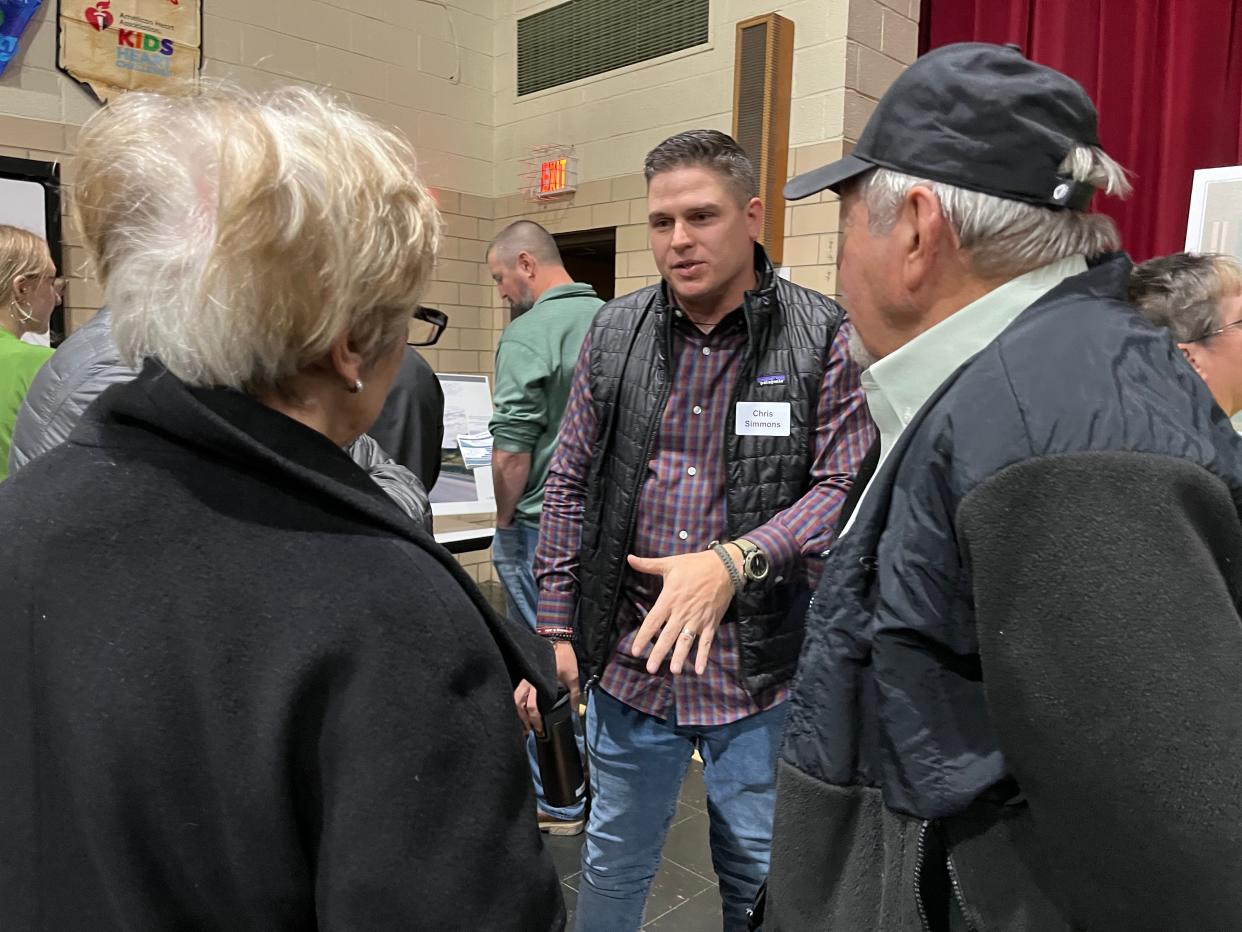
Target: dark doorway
{"points": [[590, 256]]}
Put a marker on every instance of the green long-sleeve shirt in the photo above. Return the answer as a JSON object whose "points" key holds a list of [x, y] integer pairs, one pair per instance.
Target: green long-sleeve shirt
{"points": [[534, 368], [18, 364]]}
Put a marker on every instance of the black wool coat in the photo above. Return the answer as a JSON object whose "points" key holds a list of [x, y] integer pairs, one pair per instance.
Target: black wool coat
{"points": [[240, 690]]}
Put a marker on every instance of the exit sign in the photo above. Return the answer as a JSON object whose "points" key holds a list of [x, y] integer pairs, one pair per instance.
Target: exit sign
{"points": [[549, 172], [557, 176]]}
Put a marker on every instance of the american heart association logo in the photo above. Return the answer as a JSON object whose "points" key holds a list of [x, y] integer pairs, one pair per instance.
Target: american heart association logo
{"points": [[98, 15]]}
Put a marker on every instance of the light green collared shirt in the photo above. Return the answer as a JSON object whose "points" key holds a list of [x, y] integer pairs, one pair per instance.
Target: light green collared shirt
{"points": [[898, 385]]}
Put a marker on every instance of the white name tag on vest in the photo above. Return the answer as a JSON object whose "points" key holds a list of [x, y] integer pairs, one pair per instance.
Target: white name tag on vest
{"points": [[761, 419]]}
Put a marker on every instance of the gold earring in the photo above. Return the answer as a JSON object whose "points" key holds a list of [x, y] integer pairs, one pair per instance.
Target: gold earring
{"points": [[356, 387]]}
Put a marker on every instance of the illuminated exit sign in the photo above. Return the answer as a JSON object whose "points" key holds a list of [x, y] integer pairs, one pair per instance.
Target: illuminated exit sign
{"points": [[557, 176], [554, 177], [549, 172]]}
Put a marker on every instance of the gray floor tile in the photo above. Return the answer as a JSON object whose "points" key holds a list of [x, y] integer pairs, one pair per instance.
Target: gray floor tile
{"points": [[673, 886], [684, 811], [571, 904], [566, 851], [701, 914], [687, 846]]}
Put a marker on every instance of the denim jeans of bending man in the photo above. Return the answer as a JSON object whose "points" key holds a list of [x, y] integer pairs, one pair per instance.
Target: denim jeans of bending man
{"points": [[638, 764], [513, 554]]}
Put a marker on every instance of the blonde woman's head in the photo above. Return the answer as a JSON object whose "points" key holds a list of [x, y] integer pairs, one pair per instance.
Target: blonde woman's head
{"points": [[29, 288], [242, 237]]}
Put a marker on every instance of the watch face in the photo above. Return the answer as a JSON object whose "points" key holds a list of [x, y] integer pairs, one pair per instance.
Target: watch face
{"points": [[757, 565]]}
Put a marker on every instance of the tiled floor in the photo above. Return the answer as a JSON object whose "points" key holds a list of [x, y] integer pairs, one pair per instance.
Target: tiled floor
{"points": [[683, 897]]}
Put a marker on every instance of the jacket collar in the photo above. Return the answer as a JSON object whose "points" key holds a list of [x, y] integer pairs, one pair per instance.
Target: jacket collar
{"points": [[225, 425], [759, 304], [1106, 278]]}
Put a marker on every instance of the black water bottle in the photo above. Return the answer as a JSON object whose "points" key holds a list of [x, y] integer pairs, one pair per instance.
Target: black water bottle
{"points": [[560, 767]]}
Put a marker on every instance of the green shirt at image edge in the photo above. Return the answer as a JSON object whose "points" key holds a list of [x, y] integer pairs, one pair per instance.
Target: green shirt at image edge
{"points": [[18, 364]]}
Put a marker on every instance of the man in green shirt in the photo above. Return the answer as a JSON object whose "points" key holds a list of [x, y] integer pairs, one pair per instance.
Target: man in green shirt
{"points": [[534, 368]]}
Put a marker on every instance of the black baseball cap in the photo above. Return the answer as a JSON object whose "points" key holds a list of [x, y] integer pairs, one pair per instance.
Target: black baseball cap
{"points": [[978, 116]]}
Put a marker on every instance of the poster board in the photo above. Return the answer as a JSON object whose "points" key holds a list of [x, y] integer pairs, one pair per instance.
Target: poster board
{"points": [[30, 199], [113, 46], [1215, 221], [465, 483]]}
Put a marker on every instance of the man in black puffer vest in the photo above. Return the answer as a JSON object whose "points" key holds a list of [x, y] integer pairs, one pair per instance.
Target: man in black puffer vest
{"points": [[713, 426], [1017, 708]]}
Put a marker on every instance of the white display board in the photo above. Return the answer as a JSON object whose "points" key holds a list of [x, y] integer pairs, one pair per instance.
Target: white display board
{"points": [[1215, 221], [22, 205], [465, 483]]}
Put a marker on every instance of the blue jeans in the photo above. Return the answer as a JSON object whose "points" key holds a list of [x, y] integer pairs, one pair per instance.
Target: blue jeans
{"points": [[513, 554], [637, 765]]}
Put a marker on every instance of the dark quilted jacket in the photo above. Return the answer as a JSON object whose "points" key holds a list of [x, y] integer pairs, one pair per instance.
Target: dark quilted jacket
{"points": [[791, 330], [1018, 697]]}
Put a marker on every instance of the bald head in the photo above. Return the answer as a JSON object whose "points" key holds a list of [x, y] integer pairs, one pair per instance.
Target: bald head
{"points": [[524, 263], [525, 236]]}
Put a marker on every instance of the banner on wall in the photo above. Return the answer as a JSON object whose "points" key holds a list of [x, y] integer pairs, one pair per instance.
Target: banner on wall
{"points": [[113, 46], [14, 17]]}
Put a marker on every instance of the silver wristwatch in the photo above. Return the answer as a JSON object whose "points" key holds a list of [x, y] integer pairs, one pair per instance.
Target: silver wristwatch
{"points": [[755, 563]]}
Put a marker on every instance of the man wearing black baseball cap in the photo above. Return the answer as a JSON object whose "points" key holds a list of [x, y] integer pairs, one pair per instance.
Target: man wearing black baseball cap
{"points": [[1017, 707]]}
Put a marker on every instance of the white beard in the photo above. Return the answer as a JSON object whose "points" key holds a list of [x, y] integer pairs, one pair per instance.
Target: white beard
{"points": [[863, 357]]}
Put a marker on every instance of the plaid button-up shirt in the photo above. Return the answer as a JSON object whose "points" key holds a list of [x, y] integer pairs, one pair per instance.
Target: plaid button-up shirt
{"points": [[682, 509]]}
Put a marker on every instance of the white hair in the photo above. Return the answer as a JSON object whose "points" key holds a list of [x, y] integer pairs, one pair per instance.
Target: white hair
{"points": [[239, 235], [1006, 237]]}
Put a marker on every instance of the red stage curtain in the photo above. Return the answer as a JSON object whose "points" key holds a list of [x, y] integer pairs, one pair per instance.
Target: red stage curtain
{"points": [[1166, 76]]}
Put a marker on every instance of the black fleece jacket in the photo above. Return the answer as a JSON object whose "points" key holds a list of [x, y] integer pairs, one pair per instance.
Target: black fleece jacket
{"points": [[240, 690]]}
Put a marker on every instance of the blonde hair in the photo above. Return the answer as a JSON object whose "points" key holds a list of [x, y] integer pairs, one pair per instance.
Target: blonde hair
{"points": [[239, 235], [22, 253], [1005, 237]]}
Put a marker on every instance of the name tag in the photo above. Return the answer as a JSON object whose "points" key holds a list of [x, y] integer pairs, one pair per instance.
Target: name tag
{"points": [[761, 419]]}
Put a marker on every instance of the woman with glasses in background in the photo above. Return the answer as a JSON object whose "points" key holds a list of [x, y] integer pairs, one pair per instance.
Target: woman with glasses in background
{"points": [[29, 292], [1197, 297]]}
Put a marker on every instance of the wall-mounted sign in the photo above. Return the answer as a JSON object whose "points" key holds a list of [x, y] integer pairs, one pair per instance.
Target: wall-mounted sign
{"points": [[113, 46], [558, 176], [549, 172]]}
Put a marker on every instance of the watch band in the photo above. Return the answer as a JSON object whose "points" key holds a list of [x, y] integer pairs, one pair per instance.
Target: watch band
{"points": [[734, 576]]}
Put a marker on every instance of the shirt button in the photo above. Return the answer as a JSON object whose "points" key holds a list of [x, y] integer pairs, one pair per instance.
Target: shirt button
{"points": [[683, 534], [697, 409], [676, 313], [707, 351], [691, 471]]}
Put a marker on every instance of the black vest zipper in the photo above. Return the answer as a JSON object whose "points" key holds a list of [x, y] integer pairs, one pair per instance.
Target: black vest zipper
{"points": [[610, 628]]}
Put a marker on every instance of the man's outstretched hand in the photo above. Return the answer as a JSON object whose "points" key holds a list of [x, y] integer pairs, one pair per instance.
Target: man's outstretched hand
{"points": [[697, 591]]}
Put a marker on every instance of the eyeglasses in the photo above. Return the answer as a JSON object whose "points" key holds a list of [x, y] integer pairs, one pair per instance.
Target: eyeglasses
{"points": [[426, 325], [1218, 330]]}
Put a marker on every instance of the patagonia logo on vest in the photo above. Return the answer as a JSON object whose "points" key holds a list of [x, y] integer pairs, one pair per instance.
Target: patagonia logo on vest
{"points": [[776, 379]]}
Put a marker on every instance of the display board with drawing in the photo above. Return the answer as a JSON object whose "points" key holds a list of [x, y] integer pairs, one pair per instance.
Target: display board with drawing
{"points": [[465, 483]]}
